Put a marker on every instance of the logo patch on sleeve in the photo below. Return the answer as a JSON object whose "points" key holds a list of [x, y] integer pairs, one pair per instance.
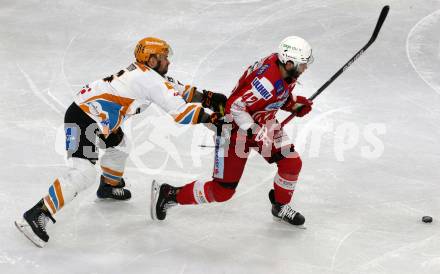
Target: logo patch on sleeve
{"points": [[279, 87], [263, 69], [263, 87]]}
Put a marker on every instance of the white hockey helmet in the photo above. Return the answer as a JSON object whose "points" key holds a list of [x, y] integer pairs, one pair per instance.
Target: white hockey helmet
{"points": [[295, 49]]}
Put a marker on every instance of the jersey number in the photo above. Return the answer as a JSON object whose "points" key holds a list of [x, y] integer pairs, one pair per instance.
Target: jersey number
{"points": [[249, 98]]}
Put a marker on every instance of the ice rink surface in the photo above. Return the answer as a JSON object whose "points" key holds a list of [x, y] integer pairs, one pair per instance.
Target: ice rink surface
{"points": [[370, 148]]}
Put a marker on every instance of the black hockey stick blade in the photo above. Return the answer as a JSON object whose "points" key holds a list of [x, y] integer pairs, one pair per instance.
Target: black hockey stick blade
{"points": [[382, 17], [380, 21]]}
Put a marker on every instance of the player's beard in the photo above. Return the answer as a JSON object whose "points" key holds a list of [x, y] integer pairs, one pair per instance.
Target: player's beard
{"points": [[160, 70], [292, 75]]}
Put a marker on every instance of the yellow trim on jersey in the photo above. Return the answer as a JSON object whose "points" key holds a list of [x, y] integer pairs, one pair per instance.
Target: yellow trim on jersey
{"points": [[168, 85], [196, 115], [188, 93], [189, 116], [122, 101], [184, 113]]}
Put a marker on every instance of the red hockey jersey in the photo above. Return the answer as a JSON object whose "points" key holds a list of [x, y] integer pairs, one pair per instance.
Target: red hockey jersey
{"points": [[259, 94]]}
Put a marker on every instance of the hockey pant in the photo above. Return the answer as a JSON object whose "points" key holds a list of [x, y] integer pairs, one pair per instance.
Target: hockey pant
{"points": [[82, 142], [230, 160]]}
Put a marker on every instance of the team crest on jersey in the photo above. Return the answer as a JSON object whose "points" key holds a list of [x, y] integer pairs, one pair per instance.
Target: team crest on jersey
{"points": [[108, 112], [263, 87], [94, 108]]}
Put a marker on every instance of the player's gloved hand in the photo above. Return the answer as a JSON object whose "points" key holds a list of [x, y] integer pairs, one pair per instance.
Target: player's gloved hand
{"points": [[262, 134], [302, 106], [214, 101], [216, 119]]}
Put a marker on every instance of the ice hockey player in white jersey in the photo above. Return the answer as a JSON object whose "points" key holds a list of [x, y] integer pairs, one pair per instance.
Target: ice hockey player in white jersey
{"points": [[93, 121]]}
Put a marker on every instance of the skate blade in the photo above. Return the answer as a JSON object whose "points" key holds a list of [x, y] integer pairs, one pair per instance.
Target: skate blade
{"points": [[27, 231], [153, 201], [278, 220], [111, 200]]}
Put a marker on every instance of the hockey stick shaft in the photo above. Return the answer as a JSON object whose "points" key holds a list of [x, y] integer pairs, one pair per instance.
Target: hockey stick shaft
{"points": [[210, 146], [380, 21]]}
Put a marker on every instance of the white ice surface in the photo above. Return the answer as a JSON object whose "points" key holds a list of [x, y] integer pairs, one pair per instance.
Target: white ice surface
{"points": [[363, 213]]}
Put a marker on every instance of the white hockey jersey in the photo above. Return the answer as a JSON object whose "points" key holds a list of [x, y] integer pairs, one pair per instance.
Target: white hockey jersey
{"points": [[110, 101]]}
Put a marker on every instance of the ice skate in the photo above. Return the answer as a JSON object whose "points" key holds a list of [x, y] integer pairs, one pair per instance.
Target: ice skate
{"points": [[106, 191], [163, 196], [33, 224], [284, 213]]}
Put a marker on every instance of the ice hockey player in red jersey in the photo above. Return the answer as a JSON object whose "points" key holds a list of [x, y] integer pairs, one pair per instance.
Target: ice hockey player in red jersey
{"points": [[264, 88], [94, 121]]}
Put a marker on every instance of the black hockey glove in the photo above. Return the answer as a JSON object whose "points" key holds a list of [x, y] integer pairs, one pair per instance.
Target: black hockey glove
{"points": [[214, 101], [214, 118]]}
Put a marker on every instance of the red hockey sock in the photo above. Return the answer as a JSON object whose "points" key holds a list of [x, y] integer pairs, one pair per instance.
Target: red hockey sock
{"points": [[200, 192], [185, 195], [197, 192], [285, 180], [283, 189]]}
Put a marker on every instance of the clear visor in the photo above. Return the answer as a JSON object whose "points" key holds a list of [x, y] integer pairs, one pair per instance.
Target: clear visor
{"points": [[299, 61], [166, 53], [169, 53], [310, 59]]}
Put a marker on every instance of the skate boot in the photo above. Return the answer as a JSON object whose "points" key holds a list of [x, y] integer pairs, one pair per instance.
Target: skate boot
{"points": [[106, 191], [33, 224], [285, 212], [162, 198]]}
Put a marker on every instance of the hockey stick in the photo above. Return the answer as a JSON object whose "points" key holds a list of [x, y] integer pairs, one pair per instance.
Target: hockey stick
{"points": [[210, 146], [382, 16]]}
